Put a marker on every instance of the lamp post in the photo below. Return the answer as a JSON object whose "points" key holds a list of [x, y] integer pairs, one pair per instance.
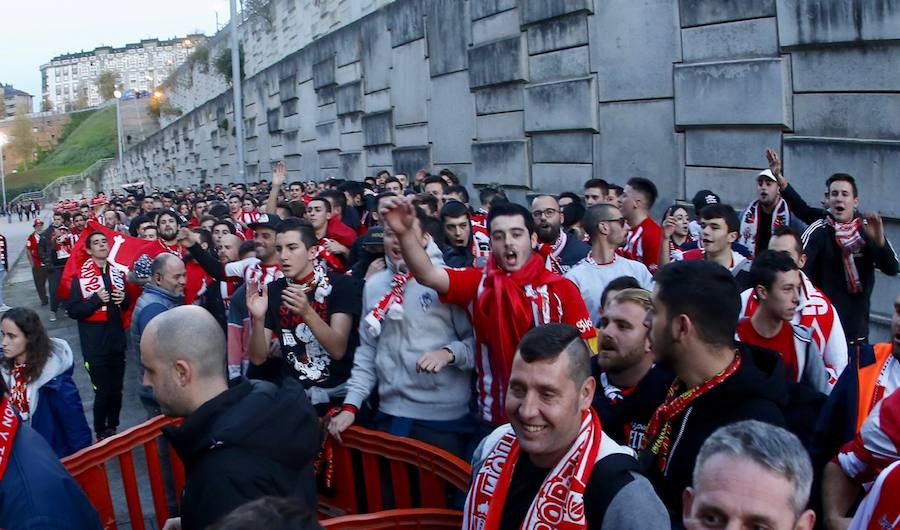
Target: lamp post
{"points": [[2, 171], [236, 92], [119, 142]]}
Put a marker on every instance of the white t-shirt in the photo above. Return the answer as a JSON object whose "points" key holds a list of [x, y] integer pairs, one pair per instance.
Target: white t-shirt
{"points": [[592, 278]]}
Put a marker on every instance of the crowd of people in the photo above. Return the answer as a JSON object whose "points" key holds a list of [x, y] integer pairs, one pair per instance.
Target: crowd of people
{"points": [[599, 367]]}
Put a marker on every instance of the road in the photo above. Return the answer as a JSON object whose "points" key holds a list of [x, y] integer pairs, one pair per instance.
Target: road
{"points": [[19, 290]]}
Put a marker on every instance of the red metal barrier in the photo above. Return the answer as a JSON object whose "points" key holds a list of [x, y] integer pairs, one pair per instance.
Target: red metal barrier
{"points": [[415, 469], [88, 467], [418, 518]]}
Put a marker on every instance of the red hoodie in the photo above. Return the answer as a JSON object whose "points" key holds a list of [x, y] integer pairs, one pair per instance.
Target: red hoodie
{"points": [[340, 232]]}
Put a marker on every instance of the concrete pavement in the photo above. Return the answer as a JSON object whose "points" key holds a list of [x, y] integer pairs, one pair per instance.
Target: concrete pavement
{"points": [[19, 290]]}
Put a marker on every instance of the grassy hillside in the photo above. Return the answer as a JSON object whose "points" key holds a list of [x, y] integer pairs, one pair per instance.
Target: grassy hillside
{"points": [[88, 137]]}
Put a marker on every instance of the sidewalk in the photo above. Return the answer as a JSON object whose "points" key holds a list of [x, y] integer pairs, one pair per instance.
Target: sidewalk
{"points": [[19, 291]]}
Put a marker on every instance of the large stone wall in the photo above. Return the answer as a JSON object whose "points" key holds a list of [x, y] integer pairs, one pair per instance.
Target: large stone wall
{"points": [[543, 94]]}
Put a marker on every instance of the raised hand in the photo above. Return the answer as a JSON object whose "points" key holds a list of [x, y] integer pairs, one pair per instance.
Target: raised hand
{"points": [[279, 175], [398, 213], [873, 225], [257, 300], [669, 224], [187, 237], [775, 167]]}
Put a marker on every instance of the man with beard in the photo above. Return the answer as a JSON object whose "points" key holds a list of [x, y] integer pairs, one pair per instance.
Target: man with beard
{"points": [[692, 326], [467, 245], [560, 250], [768, 211], [607, 229], [514, 293], [630, 385]]}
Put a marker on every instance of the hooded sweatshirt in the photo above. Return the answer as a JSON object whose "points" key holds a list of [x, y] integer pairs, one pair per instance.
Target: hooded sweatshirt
{"points": [[390, 358], [756, 391], [253, 440], [56, 409]]}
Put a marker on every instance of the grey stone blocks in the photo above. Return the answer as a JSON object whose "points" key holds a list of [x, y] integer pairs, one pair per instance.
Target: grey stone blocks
{"points": [[349, 98], [323, 73], [498, 62], [698, 12], [485, 8], [537, 10], [447, 25], [811, 22], [557, 178], [378, 128], [505, 163], [743, 92], [730, 147], [731, 40], [558, 33], [562, 147], [563, 64], [411, 159], [875, 116], [500, 98], [873, 68], [562, 105]]}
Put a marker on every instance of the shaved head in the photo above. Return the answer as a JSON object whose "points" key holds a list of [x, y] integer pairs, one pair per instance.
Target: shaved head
{"points": [[187, 333]]}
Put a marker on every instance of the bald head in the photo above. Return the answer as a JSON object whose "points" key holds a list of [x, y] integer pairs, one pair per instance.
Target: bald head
{"points": [[229, 247], [187, 333]]}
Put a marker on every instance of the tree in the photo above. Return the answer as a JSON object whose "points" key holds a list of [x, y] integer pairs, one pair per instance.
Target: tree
{"points": [[22, 142], [222, 63], [46, 105], [106, 84], [82, 101]]}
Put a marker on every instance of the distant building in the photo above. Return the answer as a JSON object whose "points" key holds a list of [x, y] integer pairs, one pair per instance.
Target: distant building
{"points": [[12, 99], [70, 81]]}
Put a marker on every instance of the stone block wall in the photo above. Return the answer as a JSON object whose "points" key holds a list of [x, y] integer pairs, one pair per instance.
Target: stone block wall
{"points": [[539, 95]]}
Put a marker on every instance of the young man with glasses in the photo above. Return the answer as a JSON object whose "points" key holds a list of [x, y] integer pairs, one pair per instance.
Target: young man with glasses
{"points": [[607, 229], [560, 250]]}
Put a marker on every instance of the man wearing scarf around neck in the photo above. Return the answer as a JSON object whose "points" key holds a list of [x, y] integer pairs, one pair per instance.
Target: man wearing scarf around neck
{"points": [[553, 466], [514, 293], [716, 383], [315, 316], [97, 299], [561, 251], [843, 247]]}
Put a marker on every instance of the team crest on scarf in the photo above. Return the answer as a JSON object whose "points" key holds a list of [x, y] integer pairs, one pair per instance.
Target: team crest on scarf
{"points": [[781, 216]]}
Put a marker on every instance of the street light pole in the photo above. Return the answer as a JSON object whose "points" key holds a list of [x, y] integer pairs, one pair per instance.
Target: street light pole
{"points": [[120, 143], [2, 172], [236, 92]]}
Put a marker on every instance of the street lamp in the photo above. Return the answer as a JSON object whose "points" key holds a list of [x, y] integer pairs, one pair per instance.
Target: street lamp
{"points": [[2, 172], [119, 137]]}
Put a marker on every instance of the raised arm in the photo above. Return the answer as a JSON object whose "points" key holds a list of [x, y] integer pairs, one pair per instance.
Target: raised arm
{"points": [[806, 213], [399, 214], [278, 178]]}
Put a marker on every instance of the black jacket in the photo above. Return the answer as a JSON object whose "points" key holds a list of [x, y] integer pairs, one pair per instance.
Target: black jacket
{"points": [[253, 440], [825, 265], [825, 268], [756, 391], [626, 421], [98, 339]]}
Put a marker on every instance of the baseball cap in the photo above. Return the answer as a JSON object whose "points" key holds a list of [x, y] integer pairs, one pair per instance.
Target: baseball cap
{"points": [[704, 198], [374, 237], [266, 220], [767, 173]]}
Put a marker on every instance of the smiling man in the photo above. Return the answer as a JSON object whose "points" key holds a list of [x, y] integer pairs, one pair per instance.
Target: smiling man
{"points": [[553, 466], [514, 293]]}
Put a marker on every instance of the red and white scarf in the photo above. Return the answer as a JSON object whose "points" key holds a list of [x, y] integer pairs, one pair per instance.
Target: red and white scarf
{"points": [[90, 280], [551, 252], [18, 390], [781, 216], [659, 432], [851, 242], [390, 305], [559, 503], [9, 424], [331, 260], [481, 245]]}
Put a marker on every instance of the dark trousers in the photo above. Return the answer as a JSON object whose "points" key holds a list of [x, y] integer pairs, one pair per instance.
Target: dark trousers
{"points": [[107, 375], [54, 275], [40, 282]]}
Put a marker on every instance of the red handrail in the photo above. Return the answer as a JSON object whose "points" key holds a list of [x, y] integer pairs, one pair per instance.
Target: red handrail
{"points": [[419, 518], [88, 467], [436, 472]]}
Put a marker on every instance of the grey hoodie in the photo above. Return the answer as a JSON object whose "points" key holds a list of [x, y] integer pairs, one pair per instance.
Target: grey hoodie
{"points": [[390, 358]]}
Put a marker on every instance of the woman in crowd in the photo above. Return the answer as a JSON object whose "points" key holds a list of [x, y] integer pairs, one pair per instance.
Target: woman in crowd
{"points": [[38, 371]]}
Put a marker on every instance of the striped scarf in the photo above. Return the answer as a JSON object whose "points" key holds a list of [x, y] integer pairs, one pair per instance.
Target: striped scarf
{"points": [[851, 242]]}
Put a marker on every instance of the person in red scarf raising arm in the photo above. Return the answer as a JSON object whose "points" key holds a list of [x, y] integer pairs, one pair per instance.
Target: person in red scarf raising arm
{"points": [[514, 293], [553, 466]]}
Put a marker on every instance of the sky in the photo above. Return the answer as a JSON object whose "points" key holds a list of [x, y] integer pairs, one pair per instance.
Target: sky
{"points": [[34, 31]]}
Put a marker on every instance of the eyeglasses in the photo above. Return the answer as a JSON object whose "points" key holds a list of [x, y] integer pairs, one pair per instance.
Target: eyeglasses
{"points": [[620, 220], [549, 212]]}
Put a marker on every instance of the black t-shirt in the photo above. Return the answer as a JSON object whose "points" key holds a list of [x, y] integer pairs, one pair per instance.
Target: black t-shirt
{"points": [[626, 420], [304, 358]]}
